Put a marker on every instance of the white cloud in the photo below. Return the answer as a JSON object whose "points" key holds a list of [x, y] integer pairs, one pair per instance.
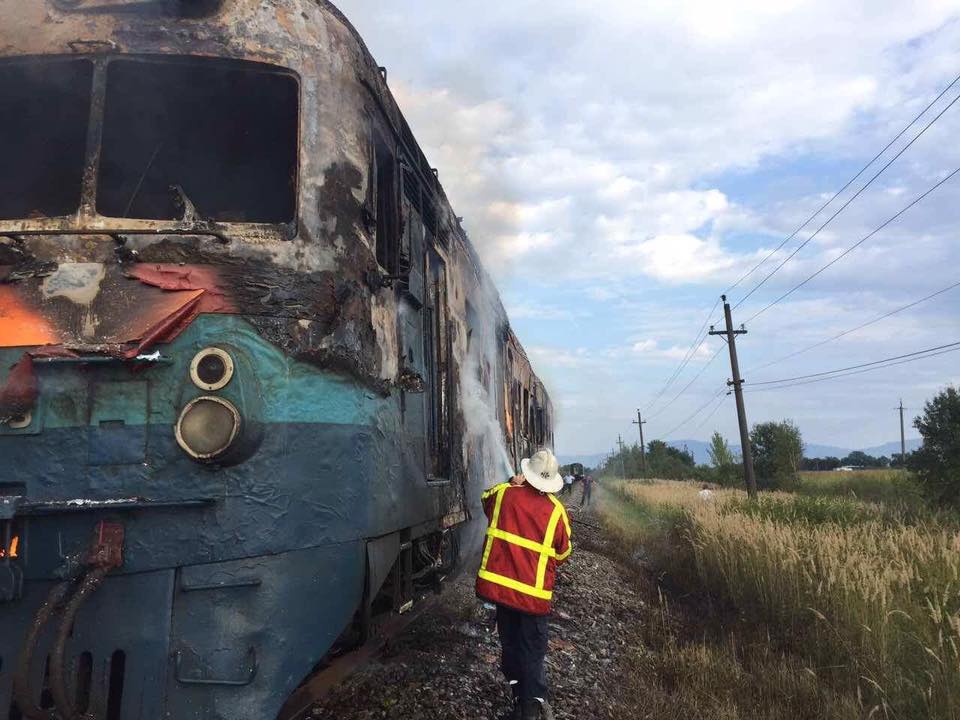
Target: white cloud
{"points": [[611, 146]]}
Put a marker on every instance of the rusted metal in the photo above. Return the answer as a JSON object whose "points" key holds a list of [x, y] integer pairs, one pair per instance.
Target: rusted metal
{"points": [[86, 575], [22, 691], [59, 688]]}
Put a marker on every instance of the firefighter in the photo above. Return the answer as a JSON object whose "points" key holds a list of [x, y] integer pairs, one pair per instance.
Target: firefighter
{"points": [[529, 534]]}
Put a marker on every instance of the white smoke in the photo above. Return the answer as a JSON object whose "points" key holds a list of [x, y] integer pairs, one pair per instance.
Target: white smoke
{"points": [[479, 392], [484, 434]]}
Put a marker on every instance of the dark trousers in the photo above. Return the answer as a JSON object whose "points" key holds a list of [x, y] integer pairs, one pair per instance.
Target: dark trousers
{"points": [[523, 640]]}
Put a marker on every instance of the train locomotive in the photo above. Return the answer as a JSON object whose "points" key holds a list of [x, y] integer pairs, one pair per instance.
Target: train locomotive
{"points": [[244, 346]]}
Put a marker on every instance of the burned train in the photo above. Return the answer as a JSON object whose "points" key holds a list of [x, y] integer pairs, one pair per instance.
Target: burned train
{"points": [[244, 346]]}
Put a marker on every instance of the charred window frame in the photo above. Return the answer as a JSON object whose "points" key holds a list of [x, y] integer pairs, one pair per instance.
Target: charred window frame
{"points": [[281, 223], [438, 337], [386, 201], [527, 430], [215, 139]]}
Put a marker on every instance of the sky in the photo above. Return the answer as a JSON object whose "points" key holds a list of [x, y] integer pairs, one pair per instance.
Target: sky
{"points": [[619, 165]]}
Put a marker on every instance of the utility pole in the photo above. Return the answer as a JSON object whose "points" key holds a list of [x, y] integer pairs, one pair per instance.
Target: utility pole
{"points": [[623, 472], [730, 335], [640, 422], [903, 439]]}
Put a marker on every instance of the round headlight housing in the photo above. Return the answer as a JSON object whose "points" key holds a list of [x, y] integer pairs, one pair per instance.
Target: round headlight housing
{"points": [[21, 421], [211, 369], [208, 427]]}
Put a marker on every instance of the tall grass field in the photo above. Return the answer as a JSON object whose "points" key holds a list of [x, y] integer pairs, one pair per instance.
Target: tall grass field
{"points": [[851, 579]]}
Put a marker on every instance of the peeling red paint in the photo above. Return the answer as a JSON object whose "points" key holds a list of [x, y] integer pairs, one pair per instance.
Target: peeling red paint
{"points": [[186, 277]]}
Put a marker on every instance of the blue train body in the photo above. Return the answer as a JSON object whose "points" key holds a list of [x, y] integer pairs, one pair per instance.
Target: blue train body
{"points": [[253, 377]]}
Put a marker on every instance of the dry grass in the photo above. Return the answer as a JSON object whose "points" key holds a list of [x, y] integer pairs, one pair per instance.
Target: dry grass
{"points": [[867, 603]]}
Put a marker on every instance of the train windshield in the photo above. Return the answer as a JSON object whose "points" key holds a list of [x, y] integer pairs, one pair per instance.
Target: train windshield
{"points": [[181, 139], [198, 136], [44, 113]]}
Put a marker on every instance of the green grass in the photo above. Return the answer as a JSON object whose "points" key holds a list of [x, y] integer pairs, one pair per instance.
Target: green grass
{"points": [[879, 486], [810, 510]]}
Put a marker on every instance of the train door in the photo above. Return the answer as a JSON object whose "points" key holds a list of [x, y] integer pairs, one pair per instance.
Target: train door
{"points": [[411, 316]]}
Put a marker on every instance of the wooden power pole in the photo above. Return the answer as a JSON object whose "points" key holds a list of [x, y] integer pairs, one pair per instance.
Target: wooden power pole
{"points": [[903, 439], [730, 335], [623, 472], [640, 422]]}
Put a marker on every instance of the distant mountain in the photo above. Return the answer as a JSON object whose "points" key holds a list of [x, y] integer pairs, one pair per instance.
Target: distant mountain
{"points": [[893, 448], [823, 451], [701, 451], [590, 461]]}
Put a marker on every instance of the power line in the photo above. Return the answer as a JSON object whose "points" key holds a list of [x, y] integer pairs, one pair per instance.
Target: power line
{"points": [[857, 244], [855, 372], [858, 327], [856, 367], [695, 413], [688, 385], [841, 190], [698, 340], [847, 203], [712, 412]]}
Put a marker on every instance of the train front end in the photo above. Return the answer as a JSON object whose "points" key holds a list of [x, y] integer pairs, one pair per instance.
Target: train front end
{"points": [[197, 434]]}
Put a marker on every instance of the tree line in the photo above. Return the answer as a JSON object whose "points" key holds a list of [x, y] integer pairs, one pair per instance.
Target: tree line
{"points": [[778, 456]]}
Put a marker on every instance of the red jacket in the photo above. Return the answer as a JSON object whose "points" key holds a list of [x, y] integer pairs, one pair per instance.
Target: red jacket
{"points": [[529, 534]]}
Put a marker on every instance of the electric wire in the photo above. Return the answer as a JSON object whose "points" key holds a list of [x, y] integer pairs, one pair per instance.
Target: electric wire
{"points": [[847, 203], [686, 387], [841, 190], [701, 337], [853, 367], [713, 412], [695, 412], [855, 372], [857, 328], [698, 341], [857, 244]]}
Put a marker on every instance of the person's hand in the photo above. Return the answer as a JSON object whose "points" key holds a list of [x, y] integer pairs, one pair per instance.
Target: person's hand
{"points": [[518, 480]]}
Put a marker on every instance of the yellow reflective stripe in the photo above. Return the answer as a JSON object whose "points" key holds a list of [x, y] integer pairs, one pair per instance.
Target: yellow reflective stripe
{"points": [[566, 524], [521, 541], [547, 541], [494, 490], [520, 587], [500, 490]]}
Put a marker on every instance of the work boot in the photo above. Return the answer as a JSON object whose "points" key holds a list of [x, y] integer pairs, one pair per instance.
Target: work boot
{"points": [[530, 710]]}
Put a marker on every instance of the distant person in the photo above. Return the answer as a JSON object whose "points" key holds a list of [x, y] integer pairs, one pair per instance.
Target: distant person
{"points": [[567, 484], [706, 494], [587, 490], [529, 535]]}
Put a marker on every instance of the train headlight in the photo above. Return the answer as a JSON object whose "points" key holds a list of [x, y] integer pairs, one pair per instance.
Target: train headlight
{"points": [[211, 369], [207, 427]]}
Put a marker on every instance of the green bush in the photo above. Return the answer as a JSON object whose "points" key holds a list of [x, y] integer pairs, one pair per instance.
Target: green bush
{"points": [[937, 463]]}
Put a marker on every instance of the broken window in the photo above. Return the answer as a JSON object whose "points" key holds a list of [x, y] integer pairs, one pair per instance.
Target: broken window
{"points": [[199, 139], [388, 226], [44, 114]]}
